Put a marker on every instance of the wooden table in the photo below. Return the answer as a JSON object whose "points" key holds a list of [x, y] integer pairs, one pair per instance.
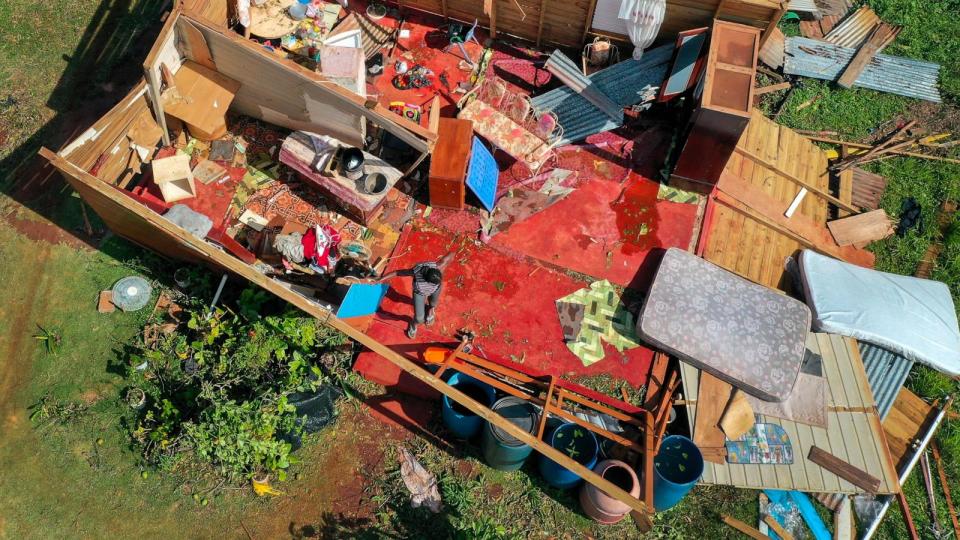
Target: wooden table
{"points": [[298, 152], [270, 20]]}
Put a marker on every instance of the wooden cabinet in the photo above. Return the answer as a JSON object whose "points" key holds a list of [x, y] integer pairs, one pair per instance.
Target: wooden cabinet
{"points": [[448, 164], [724, 110]]}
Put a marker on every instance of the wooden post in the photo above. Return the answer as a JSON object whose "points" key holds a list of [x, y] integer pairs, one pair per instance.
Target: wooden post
{"points": [[543, 11], [588, 23], [772, 25], [490, 8], [443, 9]]}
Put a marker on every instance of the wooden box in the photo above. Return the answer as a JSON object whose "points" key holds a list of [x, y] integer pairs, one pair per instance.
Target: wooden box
{"points": [[448, 164], [201, 100], [724, 110], [174, 178]]}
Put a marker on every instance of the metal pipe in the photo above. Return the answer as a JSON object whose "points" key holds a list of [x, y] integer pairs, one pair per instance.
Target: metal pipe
{"points": [[928, 436]]}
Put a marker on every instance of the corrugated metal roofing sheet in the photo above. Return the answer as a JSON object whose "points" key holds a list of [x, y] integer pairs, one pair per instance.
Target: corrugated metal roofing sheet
{"points": [[853, 30], [808, 6], [886, 373], [902, 76], [622, 82]]}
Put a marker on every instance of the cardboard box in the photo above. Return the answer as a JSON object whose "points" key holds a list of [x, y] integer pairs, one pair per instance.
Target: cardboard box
{"points": [[174, 178]]}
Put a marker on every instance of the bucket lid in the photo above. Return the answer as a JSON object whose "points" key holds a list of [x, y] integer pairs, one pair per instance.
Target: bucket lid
{"points": [[520, 413]]}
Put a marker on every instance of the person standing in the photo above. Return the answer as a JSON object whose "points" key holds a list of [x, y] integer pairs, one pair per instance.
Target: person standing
{"points": [[427, 284]]}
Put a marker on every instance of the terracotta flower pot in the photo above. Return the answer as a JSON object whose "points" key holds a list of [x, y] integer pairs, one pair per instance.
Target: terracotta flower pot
{"points": [[602, 507]]}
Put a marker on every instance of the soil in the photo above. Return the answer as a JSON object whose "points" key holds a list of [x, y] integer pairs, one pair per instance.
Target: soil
{"points": [[332, 494]]}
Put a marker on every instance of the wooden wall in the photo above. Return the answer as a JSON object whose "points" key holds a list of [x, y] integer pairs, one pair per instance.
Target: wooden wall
{"points": [[277, 94], [565, 21]]}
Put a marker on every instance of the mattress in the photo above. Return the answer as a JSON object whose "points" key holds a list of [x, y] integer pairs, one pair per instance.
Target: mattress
{"points": [[912, 317], [743, 333]]}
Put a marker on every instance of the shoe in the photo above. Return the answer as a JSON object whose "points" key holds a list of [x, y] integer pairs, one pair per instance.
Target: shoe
{"points": [[411, 331], [431, 317]]}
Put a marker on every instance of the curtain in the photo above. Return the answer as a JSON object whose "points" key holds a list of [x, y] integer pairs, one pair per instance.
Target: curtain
{"points": [[643, 19]]}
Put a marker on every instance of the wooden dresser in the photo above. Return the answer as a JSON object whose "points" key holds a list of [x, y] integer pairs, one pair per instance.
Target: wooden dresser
{"points": [[448, 164]]}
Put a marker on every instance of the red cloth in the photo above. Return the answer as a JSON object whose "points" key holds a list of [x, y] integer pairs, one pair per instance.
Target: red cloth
{"points": [[320, 258]]}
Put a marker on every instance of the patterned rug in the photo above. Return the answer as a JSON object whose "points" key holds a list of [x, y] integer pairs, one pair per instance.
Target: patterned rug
{"points": [[604, 318]]}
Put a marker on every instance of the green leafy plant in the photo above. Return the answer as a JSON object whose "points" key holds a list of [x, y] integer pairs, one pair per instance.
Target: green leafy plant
{"points": [[218, 388], [51, 339]]}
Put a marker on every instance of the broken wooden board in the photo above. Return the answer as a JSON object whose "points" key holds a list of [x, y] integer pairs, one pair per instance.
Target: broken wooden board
{"points": [[861, 228], [744, 528], [105, 302], [843, 469], [203, 98], [738, 417], [714, 395], [881, 36]]}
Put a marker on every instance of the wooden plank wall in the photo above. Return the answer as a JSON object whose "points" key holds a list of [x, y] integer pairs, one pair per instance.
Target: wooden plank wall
{"points": [[748, 246], [276, 94], [564, 20], [853, 431]]}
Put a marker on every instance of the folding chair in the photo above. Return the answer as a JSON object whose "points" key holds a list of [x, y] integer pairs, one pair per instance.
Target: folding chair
{"points": [[459, 37]]}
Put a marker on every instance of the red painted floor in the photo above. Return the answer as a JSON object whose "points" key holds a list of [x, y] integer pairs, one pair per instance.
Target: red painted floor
{"points": [[611, 227], [508, 302]]}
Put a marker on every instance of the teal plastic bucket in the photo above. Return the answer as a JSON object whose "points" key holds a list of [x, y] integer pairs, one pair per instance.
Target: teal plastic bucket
{"points": [[580, 444], [500, 449], [460, 421], [676, 469]]}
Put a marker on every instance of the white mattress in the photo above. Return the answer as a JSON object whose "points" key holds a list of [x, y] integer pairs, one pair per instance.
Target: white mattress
{"points": [[910, 316]]}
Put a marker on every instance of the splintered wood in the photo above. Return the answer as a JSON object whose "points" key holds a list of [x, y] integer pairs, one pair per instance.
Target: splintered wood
{"points": [[738, 417], [711, 401]]}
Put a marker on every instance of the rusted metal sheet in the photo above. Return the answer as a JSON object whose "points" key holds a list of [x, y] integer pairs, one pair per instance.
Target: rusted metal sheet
{"points": [[893, 74], [867, 189], [855, 29]]}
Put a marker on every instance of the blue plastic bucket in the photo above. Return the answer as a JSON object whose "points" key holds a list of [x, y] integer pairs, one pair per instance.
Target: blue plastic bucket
{"points": [[461, 422], [577, 442], [676, 469], [500, 449]]}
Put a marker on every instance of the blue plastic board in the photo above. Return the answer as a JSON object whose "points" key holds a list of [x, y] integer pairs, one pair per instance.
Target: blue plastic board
{"points": [[362, 299], [482, 175]]}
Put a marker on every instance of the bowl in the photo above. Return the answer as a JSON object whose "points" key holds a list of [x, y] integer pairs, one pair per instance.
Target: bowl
{"points": [[373, 184]]}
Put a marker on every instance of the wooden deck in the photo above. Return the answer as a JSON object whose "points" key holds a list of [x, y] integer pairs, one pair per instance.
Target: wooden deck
{"points": [[744, 228], [853, 434]]}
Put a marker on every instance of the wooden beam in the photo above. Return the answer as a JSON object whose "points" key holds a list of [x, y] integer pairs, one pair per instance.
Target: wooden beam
{"points": [[907, 516], [712, 398], [946, 488], [777, 528], [797, 180], [881, 36], [490, 8], [772, 25], [591, 8], [543, 12], [841, 468], [902, 153], [772, 88], [443, 9], [206, 252], [744, 528]]}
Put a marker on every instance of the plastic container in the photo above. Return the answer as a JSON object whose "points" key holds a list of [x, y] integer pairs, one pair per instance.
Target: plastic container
{"points": [[602, 507], [458, 419], [298, 10], [577, 442], [500, 449], [676, 469]]}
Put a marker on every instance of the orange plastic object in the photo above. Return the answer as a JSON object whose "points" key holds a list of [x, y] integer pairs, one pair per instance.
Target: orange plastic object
{"points": [[435, 355]]}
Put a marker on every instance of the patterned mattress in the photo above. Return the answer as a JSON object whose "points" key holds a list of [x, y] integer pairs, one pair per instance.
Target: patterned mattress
{"points": [[746, 334]]}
